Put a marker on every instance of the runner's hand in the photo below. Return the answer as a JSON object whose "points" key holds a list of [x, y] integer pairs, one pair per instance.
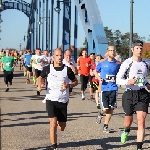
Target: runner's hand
{"points": [[148, 86], [101, 81], [65, 86], [131, 81], [87, 64]]}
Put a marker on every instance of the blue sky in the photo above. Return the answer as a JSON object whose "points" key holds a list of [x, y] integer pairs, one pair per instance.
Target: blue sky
{"points": [[114, 13]]}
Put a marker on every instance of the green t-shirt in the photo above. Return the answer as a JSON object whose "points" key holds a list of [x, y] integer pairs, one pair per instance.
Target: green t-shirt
{"points": [[8, 63]]}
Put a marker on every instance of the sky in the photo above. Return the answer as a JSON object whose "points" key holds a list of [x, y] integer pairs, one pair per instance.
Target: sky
{"points": [[114, 13]]}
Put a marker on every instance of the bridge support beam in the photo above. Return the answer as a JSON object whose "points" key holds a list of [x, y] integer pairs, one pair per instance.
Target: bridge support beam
{"points": [[66, 25]]}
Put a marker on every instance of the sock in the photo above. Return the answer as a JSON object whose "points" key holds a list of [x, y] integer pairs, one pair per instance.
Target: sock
{"points": [[83, 96], [105, 125], [139, 145], [127, 130], [54, 145]]}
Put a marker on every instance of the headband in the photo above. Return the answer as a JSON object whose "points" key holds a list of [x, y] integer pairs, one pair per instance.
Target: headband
{"points": [[137, 44]]}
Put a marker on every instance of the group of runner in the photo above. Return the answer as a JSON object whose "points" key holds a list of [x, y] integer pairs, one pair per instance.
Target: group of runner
{"points": [[103, 76]]}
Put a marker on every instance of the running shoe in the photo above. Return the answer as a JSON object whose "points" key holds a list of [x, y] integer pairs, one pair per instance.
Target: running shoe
{"points": [[124, 137], [99, 118], [7, 89], [10, 83], [83, 98], [98, 106], [91, 97], [38, 93], [106, 130]]}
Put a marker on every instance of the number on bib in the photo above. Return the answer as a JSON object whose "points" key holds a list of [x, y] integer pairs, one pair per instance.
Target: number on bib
{"points": [[140, 81], [110, 78]]}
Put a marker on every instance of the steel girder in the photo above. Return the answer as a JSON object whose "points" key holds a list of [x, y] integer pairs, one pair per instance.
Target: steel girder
{"points": [[21, 6], [93, 26]]}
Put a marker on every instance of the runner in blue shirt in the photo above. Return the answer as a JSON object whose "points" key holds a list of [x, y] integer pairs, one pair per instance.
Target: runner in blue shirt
{"points": [[28, 65], [108, 70]]}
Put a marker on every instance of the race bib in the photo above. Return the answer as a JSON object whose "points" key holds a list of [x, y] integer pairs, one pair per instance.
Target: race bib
{"points": [[8, 64], [110, 78], [140, 81]]}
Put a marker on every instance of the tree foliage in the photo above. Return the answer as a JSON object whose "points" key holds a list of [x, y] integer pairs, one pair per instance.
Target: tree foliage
{"points": [[120, 40], [146, 54]]}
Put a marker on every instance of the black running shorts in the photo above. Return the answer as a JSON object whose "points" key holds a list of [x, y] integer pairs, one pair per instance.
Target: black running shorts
{"points": [[37, 73], [108, 99], [57, 109], [28, 68], [8, 76], [135, 100], [95, 85]]}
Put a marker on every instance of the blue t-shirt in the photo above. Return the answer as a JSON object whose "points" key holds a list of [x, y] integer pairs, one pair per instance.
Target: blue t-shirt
{"points": [[27, 59], [108, 71]]}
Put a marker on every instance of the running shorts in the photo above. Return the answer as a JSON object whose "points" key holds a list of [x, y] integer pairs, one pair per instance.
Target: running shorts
{"points": [[108, 99], [29, 68], [8, 76], [95, 85], [135, 100], [57, 109], [37, 73]]}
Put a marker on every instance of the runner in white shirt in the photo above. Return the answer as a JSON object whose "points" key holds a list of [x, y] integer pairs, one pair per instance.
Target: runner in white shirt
{"points": [[39, 63], [133, 73], [47, 58], [69, 61], [57, 94]]}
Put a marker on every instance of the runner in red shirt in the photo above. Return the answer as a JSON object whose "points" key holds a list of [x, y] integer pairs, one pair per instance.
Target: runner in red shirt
{"points": [[84, 64]]}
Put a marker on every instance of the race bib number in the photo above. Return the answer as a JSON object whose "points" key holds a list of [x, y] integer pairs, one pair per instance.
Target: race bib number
{"points": [[8, 64], [110, 78], [140, 81]]}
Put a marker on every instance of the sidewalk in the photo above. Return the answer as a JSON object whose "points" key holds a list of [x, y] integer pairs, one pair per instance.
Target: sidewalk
{"points": [[25, 125]]}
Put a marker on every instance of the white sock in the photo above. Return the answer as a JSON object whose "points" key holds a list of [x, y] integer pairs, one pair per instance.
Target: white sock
{"points": [[83, 96], [99, 98]]}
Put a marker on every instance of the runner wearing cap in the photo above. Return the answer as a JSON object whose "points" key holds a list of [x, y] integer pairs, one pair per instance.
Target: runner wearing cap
{"points": [[132, 74]]}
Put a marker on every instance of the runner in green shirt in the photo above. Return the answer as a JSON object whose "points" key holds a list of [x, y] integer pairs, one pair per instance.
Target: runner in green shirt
{"points": [[7, 67]]}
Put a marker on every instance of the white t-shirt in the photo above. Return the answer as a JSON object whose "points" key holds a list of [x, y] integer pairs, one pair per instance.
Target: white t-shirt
{"points": [[39, 64], [67, 64], [138, 70], [118, 58], [48, 59]]}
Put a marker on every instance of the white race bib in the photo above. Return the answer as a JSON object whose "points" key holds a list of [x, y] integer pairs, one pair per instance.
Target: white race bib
{"points": [[110, 78], [140, 81]]}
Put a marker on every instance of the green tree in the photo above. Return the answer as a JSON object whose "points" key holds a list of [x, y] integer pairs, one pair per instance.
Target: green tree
{"points": [[109, 35]]}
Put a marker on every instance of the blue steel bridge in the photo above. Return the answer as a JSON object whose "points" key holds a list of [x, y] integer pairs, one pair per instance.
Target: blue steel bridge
{"points": [[41, 18]]}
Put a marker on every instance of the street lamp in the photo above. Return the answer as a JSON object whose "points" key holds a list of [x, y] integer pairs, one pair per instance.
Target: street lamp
{"points": [[1, 19], [131, 26], [57, 9], [1, 6]]}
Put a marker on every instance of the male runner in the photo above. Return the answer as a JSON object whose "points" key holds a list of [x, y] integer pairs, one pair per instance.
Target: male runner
{"points": [[68, 61], [108, 70], [8, 64], [39, 62], [133, 73], [57, 94], [28, 66]]}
